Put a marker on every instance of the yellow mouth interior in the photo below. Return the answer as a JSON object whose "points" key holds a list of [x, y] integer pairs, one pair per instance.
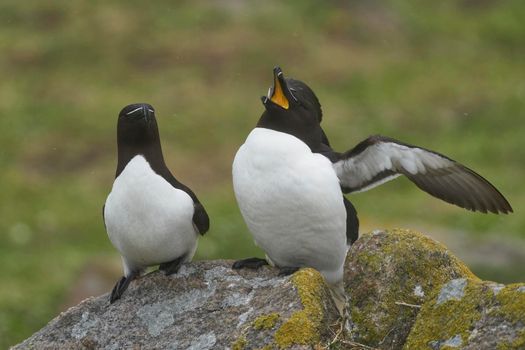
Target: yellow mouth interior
{"points": [[278, 96]]}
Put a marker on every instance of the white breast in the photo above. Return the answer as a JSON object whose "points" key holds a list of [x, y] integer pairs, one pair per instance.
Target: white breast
{"points": [[147, 219], [291, 201]]}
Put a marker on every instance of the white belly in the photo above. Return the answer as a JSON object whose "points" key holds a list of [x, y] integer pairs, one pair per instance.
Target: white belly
{"points": [[291, 201], [148, 220]]}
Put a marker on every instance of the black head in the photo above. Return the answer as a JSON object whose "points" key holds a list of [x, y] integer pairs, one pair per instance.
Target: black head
{"points": [[292, 107], [138, 133], [137, 125]]}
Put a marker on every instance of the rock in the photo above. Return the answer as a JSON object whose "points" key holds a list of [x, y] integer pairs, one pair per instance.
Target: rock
{"points": [[484, 315], [453, 290], [389, 275], [205, 306], [405, 291]]}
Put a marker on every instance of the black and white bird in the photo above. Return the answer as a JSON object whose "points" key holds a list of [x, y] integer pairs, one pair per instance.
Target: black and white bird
{"points": [[150, 217], [289, 183]]}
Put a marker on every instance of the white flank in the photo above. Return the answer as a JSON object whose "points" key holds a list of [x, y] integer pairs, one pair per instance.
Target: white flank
{"points": [[147, 219]]}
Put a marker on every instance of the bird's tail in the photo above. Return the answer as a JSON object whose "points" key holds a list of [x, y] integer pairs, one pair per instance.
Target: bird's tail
{"points": [[341, 302], [338, 294]]}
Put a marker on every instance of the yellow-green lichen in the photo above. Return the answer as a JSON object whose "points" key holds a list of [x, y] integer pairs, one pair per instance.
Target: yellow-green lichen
{"points": [[446, 347], [267, 347], [371, 259], [304, 326], [512, 303], [266, 321], [439, 322], [388, 269], [239, 344], [516, 344], [402, 243]]}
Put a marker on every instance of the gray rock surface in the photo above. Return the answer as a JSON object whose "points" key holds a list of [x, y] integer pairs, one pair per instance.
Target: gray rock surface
{"points": [[405, 291], [453, 290], [205, 306]]}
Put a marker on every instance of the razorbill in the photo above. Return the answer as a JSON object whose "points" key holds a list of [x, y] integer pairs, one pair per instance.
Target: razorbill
{"points": [[289, 184], [150, 217]]}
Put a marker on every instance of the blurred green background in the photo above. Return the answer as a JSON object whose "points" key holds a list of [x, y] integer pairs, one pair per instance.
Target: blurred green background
{"points": [[447, 75]]}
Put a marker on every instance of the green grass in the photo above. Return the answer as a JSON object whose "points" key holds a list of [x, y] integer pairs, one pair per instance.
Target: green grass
{"points": [[446, 75]]}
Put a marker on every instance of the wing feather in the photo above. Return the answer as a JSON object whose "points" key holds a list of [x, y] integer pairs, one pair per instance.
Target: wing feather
{"points": [[379, 159]]}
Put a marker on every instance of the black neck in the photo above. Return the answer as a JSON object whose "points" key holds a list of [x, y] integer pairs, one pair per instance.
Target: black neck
{"points": [[152, 152], [309, 133]]}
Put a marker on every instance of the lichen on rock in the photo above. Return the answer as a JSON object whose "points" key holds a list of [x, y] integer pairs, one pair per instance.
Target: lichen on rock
{"points": [[404, 289], [266, 321], [207, 306], [456, 297], [512, 301], [482, 318], [304, 326], [388, 275], [239, 343]]}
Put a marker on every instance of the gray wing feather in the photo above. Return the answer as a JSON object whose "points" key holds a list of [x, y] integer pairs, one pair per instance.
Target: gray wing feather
{"points": [[379, 159]]}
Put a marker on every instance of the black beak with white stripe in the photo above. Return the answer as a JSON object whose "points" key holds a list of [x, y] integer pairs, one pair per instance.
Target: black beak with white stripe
{"points": [[279, 95], [150, 217]]}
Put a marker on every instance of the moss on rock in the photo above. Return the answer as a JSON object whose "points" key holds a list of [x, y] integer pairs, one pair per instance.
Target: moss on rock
{"points": [[239, 344], [307, 326], [518, 343], [512, 308], [439, 326], [404, 289], [512, 301], [485, 316], [304, 326], [266, 321], [267, 347], [388, 275]]}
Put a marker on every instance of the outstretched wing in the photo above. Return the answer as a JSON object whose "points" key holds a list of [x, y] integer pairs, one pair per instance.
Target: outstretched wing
{"points": [[379, 159]]}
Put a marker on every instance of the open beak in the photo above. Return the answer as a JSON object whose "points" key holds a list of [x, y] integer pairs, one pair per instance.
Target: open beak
{"points": [[278, 93], [279, 85]]}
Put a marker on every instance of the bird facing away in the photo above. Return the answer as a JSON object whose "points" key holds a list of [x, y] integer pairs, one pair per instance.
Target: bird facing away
{"points": [[150, 217], [289, 184]]}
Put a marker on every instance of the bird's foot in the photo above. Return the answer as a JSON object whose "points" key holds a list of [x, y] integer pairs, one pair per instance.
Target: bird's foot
{"points": [[250, 263], [171, 267], [285, 271], [120, 287]]}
